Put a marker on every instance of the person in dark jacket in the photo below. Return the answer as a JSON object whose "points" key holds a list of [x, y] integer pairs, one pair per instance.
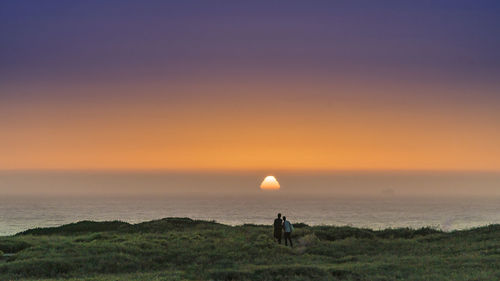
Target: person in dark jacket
{"points": [[278, 226], [288, 227]]}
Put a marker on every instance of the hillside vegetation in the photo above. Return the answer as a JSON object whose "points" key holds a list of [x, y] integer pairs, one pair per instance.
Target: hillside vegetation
{"points": [[185, 249]]}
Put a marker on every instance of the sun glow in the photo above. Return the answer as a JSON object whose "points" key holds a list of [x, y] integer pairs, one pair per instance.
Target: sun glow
{"points": [[270, 183]]}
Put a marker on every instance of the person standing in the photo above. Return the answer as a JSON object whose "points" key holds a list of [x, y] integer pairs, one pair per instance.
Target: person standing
{"points": [[288, 227], [278, 225]]}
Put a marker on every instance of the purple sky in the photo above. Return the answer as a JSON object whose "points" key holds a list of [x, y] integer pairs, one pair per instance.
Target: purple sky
{"points": [[408, 74]]}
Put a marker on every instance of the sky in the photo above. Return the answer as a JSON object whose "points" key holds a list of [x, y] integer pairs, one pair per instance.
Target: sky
{"points": [[250, 85]]}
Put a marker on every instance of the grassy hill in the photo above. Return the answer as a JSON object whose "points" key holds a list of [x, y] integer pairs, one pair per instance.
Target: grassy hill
{"points": [[185, 249]]}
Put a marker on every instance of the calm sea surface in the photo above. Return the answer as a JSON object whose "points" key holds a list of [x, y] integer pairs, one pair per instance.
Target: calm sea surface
{"points": [[373, 201], [23, 213]]}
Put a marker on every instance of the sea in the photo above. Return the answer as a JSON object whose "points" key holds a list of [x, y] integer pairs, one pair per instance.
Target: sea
{"points": [[377, 200]]}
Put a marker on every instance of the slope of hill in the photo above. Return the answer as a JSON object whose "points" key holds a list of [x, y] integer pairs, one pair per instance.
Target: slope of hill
{"points": [[185, 249]]}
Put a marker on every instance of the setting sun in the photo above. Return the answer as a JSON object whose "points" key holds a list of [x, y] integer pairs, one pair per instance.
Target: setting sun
{"points": [[270, 182]]}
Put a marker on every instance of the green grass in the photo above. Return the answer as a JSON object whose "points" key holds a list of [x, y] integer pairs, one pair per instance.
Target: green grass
{"points": [[185, 249]]}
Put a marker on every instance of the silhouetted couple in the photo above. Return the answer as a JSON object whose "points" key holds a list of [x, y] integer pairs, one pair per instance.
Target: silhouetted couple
{"points": [[283, 224]]}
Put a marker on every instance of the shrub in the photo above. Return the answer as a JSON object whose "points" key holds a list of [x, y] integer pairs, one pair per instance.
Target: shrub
{"points": [[273, 273], [93, 237], [78, 227], [336, 233], [406, 233], [38, 268], [13, 246], [300, 225], [291, 273], [308, 240]]}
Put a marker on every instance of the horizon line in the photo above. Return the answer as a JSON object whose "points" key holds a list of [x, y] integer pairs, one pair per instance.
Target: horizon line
{"points": [[264, 170]]}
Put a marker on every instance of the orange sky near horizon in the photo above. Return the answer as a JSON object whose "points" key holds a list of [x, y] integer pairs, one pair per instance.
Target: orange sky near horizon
{"points": [[249, 85], [276, 128]]}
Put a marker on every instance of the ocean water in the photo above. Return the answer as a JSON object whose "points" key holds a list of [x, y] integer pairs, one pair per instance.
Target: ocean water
{"points": [[373, 200]]}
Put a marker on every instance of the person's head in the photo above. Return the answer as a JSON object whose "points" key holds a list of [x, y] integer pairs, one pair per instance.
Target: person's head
{"points": [[279, 215], [284, 218]]}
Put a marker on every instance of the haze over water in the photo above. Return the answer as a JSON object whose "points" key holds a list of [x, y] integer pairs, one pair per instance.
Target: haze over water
{"points": [[365, 199]]}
